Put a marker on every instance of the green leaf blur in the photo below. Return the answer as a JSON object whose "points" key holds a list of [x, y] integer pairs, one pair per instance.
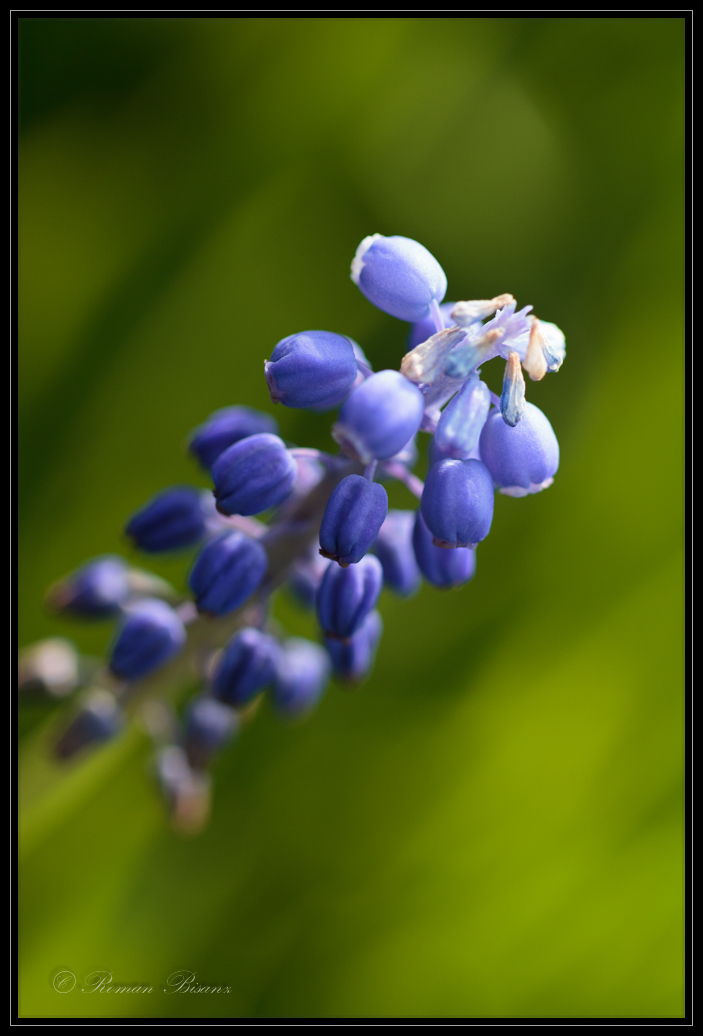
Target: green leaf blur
{"points": [[491, 826]]}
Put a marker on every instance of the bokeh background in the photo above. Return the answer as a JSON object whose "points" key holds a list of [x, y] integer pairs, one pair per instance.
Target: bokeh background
{"points": [[491, 826]]}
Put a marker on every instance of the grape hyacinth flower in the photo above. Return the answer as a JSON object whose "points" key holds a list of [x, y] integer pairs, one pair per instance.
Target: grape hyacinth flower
{"points": [[311, 369], [254, 474], [225, 427], [379, 417], [440, 567], [303, 670], [150, 635], [394, 549], [95, 591], [523, 459], [347, 595], [227, 572], [353, 658], [209, 726], [355, 512], [99, 720], [248, 664], [399, 276], [325, 530], [173, 519], [457, 502]]}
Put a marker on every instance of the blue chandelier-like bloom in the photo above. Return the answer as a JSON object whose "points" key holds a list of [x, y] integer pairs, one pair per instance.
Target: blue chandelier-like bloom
{"points": [[328, 536]]}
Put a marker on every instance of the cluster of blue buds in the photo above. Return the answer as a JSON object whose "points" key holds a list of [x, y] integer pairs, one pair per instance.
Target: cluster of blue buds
{"points": [[316, 522]]}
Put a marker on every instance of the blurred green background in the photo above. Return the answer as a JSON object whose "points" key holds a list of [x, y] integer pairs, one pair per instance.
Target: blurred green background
{"points": [[491, 826]]}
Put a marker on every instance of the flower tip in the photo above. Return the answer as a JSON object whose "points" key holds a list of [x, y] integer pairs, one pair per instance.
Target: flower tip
{"points": [[358, 260]]}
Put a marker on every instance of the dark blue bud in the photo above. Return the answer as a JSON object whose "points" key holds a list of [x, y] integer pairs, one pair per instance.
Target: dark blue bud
{"points": [[352, 659], [98, 721], [256, 473], [442, 568], [305, 578], [247, 665], [347, 595], [354, 514], [209, 726], [523, 459], [394, 549], [173, 519], [380, 416], [302, 673], [95, 591], [224, 428], [399, 276], [151, 634], [457, 502], [311, 369], [424, 329], [227, 571]]}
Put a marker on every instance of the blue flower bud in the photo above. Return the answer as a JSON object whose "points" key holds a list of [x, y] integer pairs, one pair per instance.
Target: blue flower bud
{"points": [[462, 419], [399, 276], [311, 369], [151, 634], [254, 474], [209, 726], [347, 595], [98, 721], [523, 459], [173, 519], [95, 591], [302, 673], [424, 329], [224, 428], [227, 571], [354, 514], [363, 370], [352, 659], [442, 568], [394, 549], [512, 399], [457, 502], [247, 665], [305, 578], [379, 417]]}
